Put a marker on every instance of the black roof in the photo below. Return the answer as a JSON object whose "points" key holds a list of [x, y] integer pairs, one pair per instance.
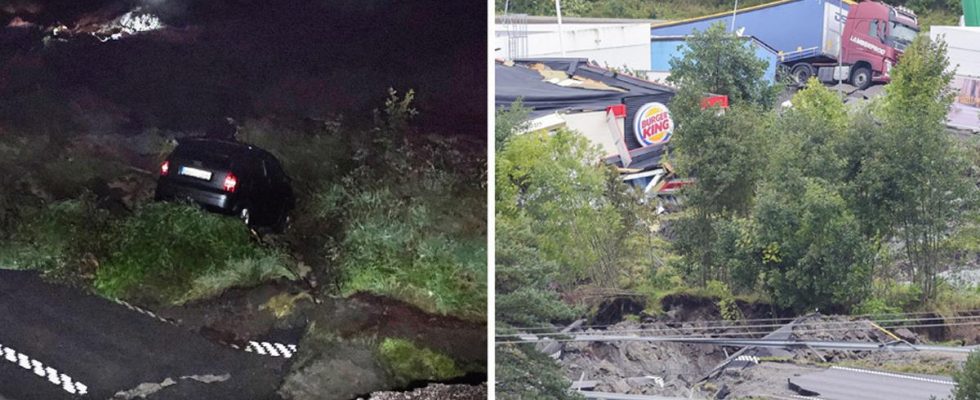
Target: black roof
{"points": [[520, 82]]}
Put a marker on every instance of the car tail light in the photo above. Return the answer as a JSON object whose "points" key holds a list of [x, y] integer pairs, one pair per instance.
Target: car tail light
{"points": [[231, 182], [165, 168]]}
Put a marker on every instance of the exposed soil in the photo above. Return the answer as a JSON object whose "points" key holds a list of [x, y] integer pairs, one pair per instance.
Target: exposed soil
{"points": [[640, 367], [366, 314], [338, 357], [239, 314]]}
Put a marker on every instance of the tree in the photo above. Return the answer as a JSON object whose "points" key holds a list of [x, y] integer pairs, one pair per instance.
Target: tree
{"points": [[725, 154], [509, 122], [909, 178], [968, 379], [552, 182], [719, 62], [809, 246], [525, 373], [561, 220], [805, 241]]}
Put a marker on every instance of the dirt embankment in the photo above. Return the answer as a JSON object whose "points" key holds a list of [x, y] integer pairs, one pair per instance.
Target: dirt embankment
{"points": [[672, 369], [341, 341]]}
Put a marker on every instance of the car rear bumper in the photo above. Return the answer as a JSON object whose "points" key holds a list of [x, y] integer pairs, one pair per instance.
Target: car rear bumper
{"points": [[214, 200]]}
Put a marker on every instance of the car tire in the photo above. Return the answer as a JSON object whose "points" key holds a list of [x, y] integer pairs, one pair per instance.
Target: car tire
{"points": [[861, 78]]}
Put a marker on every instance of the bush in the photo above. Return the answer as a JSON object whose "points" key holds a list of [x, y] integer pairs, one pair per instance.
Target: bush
{"points": [[384, 210], [61, 239], [395, 246], [968, 379], [525, 373], [408, 363], [158, 253]]}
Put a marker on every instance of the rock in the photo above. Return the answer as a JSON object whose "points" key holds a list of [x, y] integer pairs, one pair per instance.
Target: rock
{"points": [[334, 378], [907, 335], [621, 386], [436, 392]]}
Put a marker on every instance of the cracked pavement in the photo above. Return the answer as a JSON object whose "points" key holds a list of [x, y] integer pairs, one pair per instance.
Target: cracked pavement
{"points": [[60, 343]]}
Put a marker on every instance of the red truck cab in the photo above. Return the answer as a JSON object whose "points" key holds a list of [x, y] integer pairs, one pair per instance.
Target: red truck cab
{"points": [[874, 36]]}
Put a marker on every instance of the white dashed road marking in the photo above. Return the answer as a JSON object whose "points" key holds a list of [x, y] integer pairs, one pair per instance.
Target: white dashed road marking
{"points": [[751, 359], [263, 348], [142, 311], [891, 375], [39, 369], [271, 349]]}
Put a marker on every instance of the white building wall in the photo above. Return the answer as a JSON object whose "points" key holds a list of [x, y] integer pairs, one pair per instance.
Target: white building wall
{"points": [[615, 45], [964, 55], [964, 47]]}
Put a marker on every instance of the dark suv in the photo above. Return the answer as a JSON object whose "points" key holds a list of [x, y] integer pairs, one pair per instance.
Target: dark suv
{"points": [[228, 177]]}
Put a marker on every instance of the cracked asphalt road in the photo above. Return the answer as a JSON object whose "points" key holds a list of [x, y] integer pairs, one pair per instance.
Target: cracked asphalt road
{"points": [[53, 338]]}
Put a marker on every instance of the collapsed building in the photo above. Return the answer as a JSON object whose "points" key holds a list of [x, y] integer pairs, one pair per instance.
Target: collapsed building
{"points": [[627, 118]]}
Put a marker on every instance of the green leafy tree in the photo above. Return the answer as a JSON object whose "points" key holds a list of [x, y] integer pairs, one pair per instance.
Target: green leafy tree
{"points": [[809, 246], [719, 62], [725, 154], [968, 379], [524, 373], [552, 181], [909, 178], [804, 240], [509, 122]]}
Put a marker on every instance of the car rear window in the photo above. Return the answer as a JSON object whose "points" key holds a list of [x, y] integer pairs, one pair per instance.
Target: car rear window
{"points": [[211, 158]]}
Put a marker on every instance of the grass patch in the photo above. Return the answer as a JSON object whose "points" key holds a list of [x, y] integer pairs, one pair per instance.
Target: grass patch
{"points": [[171, 253], [386, 209], [923, 366], [238, 273], [62, 239], [407, 363], [393, 248]]}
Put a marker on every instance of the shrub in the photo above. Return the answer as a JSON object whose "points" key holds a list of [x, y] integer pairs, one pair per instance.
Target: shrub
{"points": [[395, 246], [407, 363], [525, 373], [61, 239], [968, 379]]}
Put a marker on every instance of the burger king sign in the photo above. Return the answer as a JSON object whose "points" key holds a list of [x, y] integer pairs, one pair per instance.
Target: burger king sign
{"points": [[653, 125]]}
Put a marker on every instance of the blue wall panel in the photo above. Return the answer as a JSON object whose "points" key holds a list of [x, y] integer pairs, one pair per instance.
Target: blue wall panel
{"points": [[662, 50], [785, 27]]}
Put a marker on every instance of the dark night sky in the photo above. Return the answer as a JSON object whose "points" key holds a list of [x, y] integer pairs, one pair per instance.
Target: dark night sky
{"points": [[247, 58]]}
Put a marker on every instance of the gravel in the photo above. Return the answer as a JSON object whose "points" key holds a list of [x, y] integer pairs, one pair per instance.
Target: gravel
{"points": [[436, 392]]}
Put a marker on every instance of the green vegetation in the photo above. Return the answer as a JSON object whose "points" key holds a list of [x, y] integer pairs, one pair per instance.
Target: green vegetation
{"points": [[734, 71], [164, 250], [930, 12], [391, 211], [823, 206], [968, 379], [408, 363], [525, 373], [925, 366], [382, 207]]}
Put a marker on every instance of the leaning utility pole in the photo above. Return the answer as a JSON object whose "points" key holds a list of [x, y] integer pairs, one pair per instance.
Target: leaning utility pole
{"points": [[734, 11], [561, 39], [840, 47]]}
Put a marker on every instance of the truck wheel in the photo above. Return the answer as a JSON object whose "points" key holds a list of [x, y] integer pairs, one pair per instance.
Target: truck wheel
{"points": [[861, 78], [802, 73]]}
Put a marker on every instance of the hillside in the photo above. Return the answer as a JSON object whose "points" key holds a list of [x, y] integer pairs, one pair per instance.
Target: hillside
{"points": [[931, 12]]}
